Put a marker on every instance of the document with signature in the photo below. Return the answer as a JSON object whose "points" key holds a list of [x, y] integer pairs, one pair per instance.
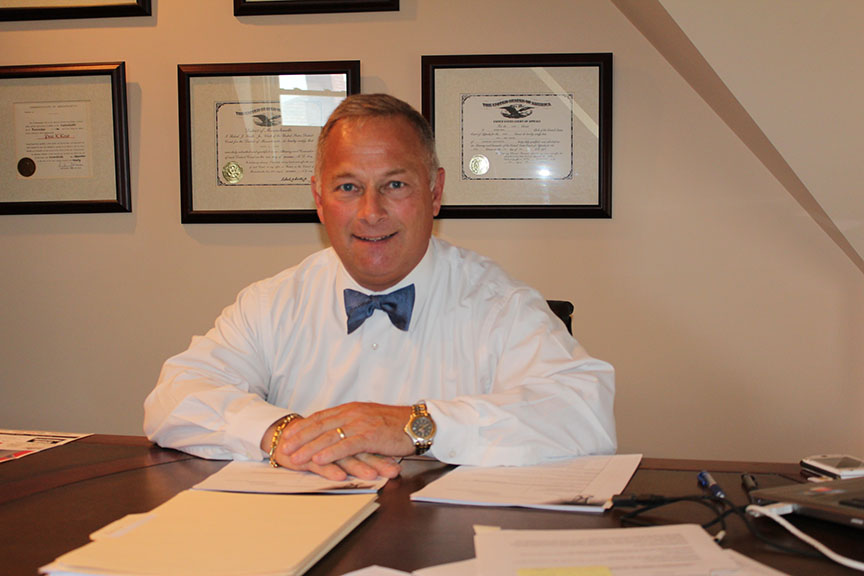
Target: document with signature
{"points": [[260, 477], [584, 484]]}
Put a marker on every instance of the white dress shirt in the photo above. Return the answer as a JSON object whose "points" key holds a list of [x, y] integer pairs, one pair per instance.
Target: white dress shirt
{"points": [[503, 380]]}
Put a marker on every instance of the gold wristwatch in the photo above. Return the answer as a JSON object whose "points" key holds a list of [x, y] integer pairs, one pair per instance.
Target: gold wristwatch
{"points": [[420, 428]]}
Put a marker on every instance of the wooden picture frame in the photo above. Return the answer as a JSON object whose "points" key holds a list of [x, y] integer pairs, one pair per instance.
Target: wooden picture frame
{"points": [[248, 134], [265, 7], [64, 140], [522, 136], [63, 9]]}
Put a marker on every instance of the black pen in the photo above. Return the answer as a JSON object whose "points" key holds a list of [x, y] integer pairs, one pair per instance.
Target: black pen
{"points": [[707, 481]]}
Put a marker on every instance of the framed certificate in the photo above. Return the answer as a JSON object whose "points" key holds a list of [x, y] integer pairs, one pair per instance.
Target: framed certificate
{"points": [[63, 139], [248, 135], [254, 7], [522, 136], [60, 9]]}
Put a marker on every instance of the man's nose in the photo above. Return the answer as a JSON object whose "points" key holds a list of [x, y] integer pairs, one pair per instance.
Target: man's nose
{"points": [[372, 208]]}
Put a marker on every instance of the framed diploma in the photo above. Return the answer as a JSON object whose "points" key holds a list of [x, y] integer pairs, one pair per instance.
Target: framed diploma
{"points": [[248, 135], [255, 7], [60, 9], [64, 144], [522, 136]]}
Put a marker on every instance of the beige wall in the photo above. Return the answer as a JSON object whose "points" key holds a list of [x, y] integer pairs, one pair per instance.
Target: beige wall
{"points": [[735, 324]]}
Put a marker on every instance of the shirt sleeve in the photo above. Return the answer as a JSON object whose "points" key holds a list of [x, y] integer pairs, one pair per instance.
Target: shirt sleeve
{"points": [[547, 400], [210, 400]]}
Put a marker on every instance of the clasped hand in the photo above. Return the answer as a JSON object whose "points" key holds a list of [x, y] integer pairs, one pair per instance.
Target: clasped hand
{"points": [[372, 436]]}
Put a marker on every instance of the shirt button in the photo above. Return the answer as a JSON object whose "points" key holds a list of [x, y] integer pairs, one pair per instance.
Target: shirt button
{"points": [[375, 346]]}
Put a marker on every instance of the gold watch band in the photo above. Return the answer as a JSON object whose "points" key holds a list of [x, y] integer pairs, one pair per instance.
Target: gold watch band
{"points": [[420, 428]]}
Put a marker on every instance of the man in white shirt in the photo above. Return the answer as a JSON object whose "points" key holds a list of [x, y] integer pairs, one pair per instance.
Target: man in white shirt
{"points": [[389, 343]]}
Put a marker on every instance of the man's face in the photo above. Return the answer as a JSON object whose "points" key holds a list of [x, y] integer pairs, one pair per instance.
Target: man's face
{"points": [[375, 200]]}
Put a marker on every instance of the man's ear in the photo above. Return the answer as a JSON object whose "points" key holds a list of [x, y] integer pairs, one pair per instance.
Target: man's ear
{"points": [[438, 191], [316, 194]]}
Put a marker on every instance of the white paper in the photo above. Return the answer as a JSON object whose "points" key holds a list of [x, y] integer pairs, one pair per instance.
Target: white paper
{"points": [[517, 136], [748, 567], [261, 477], [20, 443], [462, 568], [255, 147], [376, 570], [744, 567], [191, 527], [52, 139], [677, 550], [579, 485]]}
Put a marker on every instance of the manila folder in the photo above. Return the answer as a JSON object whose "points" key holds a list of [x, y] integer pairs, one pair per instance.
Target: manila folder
{"points": [[201, 533]]}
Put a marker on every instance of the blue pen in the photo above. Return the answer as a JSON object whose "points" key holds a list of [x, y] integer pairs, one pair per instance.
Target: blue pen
{"points": [[707, 481]]}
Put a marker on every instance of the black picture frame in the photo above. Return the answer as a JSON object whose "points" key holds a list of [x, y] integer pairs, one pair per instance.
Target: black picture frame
{"points": [[66, 140], [48, 10], [225, 174], [460, 94], [263, 7]]}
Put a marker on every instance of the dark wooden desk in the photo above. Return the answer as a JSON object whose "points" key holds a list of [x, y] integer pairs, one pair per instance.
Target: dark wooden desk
{"points": [[51, 501]]}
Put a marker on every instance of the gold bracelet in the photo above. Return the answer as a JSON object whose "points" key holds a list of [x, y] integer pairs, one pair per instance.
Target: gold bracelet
{"points": [[277, 435]]}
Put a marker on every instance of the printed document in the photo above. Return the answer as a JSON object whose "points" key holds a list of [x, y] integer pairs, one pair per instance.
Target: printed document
{"points": [[744, 566], [261, 477], [20, 443], [584, 484], [676, 550]]}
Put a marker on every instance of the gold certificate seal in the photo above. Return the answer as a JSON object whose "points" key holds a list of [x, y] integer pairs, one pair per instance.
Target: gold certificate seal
{"points": [[232, 172], [479, 165]]}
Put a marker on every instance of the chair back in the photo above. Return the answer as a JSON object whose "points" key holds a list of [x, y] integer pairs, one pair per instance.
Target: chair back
{"points": [[563, 309]]}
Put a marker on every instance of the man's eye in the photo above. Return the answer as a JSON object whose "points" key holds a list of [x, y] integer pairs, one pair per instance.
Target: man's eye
{"points": [[397, 188], [347, 188]]}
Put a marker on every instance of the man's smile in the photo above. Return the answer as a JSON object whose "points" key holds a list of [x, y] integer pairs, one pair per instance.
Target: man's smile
{"points": [[374, 238]]}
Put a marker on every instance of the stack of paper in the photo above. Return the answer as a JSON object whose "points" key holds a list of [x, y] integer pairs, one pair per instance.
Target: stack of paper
{"points": [[203, 533], [239, 476], [579, 485], [679, 550]]}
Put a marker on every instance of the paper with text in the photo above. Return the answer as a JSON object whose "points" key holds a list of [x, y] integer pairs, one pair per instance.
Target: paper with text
{"points": [[261, 477], [678, 550], [19, 443], [583, 484]]}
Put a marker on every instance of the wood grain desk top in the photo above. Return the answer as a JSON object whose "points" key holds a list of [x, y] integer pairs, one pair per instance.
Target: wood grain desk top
{"points": [[51, 501]]}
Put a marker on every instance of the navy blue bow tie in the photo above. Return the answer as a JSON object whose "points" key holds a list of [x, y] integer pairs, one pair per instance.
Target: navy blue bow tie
{"points": [[397, 304]]}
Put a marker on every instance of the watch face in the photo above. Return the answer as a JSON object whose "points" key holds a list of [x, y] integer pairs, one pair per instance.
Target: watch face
{"points": [[423, 427]]}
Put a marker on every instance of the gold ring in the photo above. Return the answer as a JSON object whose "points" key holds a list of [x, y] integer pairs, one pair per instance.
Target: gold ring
{"points": [[341, 433]]}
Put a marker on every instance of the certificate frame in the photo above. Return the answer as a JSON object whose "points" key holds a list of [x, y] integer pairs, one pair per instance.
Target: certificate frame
{"points": [[261, 7], [63, 9], [226, 175], [500, 119], [66, 144]]}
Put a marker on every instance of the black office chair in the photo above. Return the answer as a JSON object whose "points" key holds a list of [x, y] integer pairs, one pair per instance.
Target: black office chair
{"points": [[563, 309]]}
